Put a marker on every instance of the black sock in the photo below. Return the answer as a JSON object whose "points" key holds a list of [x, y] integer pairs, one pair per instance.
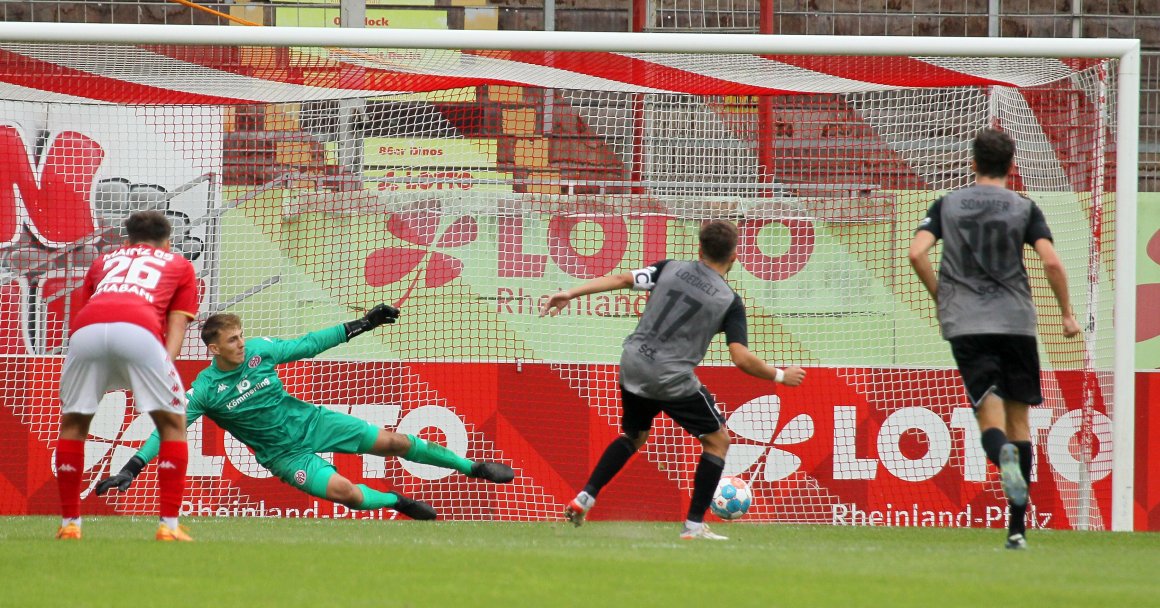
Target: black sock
{"points": [[615, 456], [1017, 523], [704, 484], [993, 440]]}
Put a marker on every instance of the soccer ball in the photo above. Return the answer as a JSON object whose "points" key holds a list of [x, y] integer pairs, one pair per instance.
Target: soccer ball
{"points": [[732, 498]]}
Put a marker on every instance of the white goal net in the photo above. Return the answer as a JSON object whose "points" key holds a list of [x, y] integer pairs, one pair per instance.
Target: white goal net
{"points": [[308, 183]]}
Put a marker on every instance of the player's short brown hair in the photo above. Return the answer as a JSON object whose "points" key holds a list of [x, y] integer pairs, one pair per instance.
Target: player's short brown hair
{"points": [[148, 227], [212, 328], [718, 240], [994, 153]]}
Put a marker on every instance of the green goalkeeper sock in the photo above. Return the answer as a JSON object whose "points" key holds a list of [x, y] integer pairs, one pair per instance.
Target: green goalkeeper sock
{"points": [[425, 452], [374, 499]]}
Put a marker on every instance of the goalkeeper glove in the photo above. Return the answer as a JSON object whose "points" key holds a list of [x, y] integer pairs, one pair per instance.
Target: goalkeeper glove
{"points": [[121, 480], [379, 315]]}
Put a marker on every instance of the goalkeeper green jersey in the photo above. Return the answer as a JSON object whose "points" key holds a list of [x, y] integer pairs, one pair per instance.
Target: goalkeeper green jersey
{"points": [[250, 402]]}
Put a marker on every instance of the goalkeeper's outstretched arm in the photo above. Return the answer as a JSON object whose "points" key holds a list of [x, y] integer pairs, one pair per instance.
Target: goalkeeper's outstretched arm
{"points": [[124, 478], [375, 317], [148, 451], [317, 342]]}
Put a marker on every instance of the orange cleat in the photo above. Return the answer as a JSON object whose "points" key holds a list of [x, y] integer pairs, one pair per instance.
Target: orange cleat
{"points": [[167, 534], [69, 532]]}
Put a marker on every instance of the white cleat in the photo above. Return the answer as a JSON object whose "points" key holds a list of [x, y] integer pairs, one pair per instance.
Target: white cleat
{"points": [[702, 532], [578, 508], [1014, 486], [1016, 542]]}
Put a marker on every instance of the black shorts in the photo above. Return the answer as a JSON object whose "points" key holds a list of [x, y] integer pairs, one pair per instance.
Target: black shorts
{"points": [[697, 413], [1006, 365]]}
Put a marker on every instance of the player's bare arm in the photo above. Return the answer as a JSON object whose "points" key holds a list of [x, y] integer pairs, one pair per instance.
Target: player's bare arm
{"points": [[751, 364], [559, 300], [176, 324], [920, 260], [1057, 279]]}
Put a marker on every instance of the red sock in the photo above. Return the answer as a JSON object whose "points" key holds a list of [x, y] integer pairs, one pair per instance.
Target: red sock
{"points": [[70, 465], [171, 464]]}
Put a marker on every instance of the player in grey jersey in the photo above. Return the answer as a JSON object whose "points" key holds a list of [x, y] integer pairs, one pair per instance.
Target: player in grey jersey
{"points": [[689, 304], [985, 308]]}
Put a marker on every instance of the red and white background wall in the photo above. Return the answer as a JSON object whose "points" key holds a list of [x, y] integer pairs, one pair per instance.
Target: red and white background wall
{"points": [[880, 434]]}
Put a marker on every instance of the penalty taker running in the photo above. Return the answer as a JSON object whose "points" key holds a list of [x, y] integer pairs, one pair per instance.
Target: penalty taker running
{"points": [[286, 433]]}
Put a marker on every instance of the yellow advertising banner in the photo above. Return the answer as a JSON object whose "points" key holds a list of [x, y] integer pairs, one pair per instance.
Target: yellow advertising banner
{"points": [[422, 19], [370, 5], [399, 163], [410, 152]]}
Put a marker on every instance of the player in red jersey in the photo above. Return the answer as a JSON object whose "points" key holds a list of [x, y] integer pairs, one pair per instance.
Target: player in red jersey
{"points": [[136, 302]]}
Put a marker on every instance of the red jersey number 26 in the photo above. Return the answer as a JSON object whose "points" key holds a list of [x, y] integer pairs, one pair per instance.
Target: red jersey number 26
{"points": [[144, 272]]}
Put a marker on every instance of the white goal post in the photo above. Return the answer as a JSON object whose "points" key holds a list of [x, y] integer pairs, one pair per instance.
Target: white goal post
{"points": [[315, 171]]}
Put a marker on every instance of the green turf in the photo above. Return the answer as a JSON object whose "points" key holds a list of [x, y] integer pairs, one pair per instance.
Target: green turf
{"points": [[272, 562]]}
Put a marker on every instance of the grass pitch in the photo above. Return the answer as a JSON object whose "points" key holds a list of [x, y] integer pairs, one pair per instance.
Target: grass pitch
{"points": [[316, 563]]}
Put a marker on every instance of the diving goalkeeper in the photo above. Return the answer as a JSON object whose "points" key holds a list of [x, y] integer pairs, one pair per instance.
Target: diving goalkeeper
{"points": [[242, 393]]}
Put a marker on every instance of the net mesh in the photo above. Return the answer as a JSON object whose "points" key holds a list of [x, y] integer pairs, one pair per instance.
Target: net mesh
{"points": [[308, 185]]}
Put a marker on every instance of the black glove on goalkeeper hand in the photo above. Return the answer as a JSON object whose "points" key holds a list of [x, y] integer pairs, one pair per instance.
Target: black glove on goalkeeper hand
{"points": [[122, 480], [379, 315]]}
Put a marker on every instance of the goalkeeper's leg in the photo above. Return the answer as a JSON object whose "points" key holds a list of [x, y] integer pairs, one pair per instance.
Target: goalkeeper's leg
{"points": [[417, 449], [346, 434], [317, 477]]}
